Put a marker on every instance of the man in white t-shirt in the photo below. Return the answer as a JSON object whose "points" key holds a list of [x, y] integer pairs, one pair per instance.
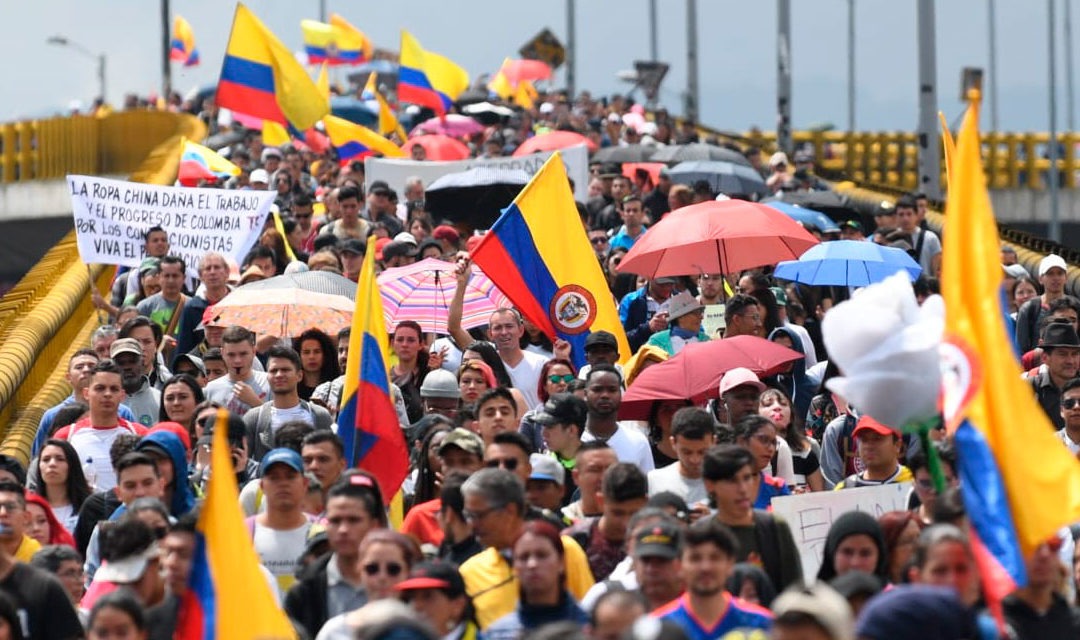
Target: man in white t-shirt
{"points": [[692, 433], [1070, 414], [281, 532], [603, 396], [284, 372], [506, 328], [243, 388]]}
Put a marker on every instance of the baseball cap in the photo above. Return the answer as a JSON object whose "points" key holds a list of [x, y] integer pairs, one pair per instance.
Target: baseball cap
{"points": [[195, 361], [821, 603], [1015, 270], [259, 175], [406, 237], [436, 574], [447, 233], [1051, 261], [547, 468], [397, 248], [562, 408], [866, 423], [661, 540], [281, 455], [778, 158], [780, 295], [271, 152], [737, 377], [601, 339], [440, 383], [851, 224], [128, 570], [149, 265], [352, 245], [125, 345], [666, 280], [465, 440]]}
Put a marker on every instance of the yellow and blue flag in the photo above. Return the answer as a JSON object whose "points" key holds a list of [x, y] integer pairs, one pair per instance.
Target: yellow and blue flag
{"points": [[388, 122], [1020, 483], [199, 163], [368, 423], [335, 43], [536, 254], [260, 77], [182, 47], [355, 142], [428, 79], [227, 595]]}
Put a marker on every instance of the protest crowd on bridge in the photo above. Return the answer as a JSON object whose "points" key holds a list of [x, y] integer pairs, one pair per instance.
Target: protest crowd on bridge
{"points": [[525, 374]]}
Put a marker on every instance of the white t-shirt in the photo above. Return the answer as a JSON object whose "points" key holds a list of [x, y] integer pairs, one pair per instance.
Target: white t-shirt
{"points": [[280, 551], [629, 444], [1074, 447], [279, 417], [526, 376], [93, 446], [668, 478], [221, 391]]}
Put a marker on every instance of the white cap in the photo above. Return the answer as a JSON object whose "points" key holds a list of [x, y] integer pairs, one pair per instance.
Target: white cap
{"points": [[260, 175], [778, 158], [547, 107], [406, 237], [1051, 261]]}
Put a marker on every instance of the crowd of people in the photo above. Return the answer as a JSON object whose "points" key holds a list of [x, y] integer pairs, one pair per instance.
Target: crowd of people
{"points": [[533, 507]]}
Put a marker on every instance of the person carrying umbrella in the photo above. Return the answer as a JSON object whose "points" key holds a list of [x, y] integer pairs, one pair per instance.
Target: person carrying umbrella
{"points": [[685, 314]]}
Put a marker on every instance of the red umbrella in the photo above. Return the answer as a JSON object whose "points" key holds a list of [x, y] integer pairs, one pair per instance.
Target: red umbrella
{"points": [[439, 147], [718, 236], [695, 373], [552, 141], [521, 70]]}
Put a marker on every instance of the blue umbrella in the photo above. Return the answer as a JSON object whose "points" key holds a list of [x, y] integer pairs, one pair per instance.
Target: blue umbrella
{"points": [[805, 216], [848, 263]]}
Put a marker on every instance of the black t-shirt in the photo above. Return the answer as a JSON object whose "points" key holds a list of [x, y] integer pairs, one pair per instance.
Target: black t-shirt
{"points": [[42, 604], [99, 506]]}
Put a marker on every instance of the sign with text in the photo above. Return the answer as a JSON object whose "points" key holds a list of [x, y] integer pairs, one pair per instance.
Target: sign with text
{"points": [[811, 514], [544, 46], [714, 322], [112, 216], [395, 172]]}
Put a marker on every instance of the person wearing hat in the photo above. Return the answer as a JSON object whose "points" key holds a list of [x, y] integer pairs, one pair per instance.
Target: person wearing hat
{"points": [[1061, 354], [169, 453], [545, 487], [1053, 275], [740, 389], [131, 558], [562, 421], [644, 312], [398, 253], [280, 533], [436, 592], [600, 347], [878, 448], [778, 165], [259, 180], [815, 612], [460, 451], [440, 393], [448, 238], [352, 257], [851, 230], [685, 314]]}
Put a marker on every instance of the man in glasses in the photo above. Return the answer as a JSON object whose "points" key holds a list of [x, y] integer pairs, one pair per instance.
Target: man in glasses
{"points": [[600, 242], [281, 532], [303, 211], [509, 450], [1070, 415], [743, 316]]}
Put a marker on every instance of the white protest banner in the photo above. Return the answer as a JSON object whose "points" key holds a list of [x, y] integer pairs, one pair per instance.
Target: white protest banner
{"points": [[714, 323], [811, 514], [395, 172], [111, 217]]}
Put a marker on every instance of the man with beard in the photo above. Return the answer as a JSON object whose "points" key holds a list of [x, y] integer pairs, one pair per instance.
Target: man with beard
{"points": [[143, 399], [706, 610]]}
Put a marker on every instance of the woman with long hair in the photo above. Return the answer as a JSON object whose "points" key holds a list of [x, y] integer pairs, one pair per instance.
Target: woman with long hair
{"points": [[428, 465], [318, 356], [775, 405], [61, 481], [555, 376], [485, 352], [44, 527], [758, 435], [179, 398], [474, 378], [901, 530]]}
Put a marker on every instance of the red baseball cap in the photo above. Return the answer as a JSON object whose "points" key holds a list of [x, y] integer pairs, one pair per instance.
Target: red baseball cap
{"points": [[866, 423]]}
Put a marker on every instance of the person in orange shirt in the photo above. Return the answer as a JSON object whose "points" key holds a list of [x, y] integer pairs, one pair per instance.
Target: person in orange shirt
{"points": [[461, 450]]}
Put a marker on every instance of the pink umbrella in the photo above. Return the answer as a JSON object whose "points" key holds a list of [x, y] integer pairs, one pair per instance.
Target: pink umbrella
{"points": [[552, 141], [422, 292], [521, 70], [438, 147], [454, 125]]}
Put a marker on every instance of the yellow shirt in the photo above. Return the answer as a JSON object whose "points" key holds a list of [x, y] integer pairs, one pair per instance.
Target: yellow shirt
{"points": [[490, 581], [903, 474], [27, 548]]}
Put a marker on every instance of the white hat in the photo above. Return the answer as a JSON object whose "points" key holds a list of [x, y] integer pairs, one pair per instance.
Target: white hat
{"points": [[129, 569], [778, 158], [682, 304], [406, 237], [822, 604], [547, 468], [1051, 261], [737, 377], [547, 107], [260, 175]]}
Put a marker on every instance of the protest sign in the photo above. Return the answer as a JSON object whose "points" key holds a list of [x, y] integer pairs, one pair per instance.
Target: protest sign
{"points": [[395, 172], [714, 322], [111, 217], [811, 514]]}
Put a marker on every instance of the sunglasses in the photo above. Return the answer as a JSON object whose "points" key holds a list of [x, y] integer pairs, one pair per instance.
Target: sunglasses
{"points": [[393, 569], [599, 240], [509, 464], [566, 377], [1070, 403]]}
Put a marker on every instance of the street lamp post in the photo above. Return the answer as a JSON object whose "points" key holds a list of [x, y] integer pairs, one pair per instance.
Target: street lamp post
{"points": [[63, 41]]}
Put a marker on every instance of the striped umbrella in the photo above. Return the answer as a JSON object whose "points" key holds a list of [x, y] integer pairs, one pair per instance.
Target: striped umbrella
{"points": [[422, 292]]}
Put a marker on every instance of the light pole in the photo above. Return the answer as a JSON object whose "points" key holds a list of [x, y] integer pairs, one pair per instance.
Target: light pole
{"points": [[63, 41]]}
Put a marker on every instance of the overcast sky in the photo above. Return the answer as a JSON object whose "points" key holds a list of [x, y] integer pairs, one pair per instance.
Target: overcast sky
{"points": [[737, 41]]}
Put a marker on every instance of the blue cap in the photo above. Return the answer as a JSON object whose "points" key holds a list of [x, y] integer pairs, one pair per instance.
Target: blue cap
{"points": [[281, 455]]}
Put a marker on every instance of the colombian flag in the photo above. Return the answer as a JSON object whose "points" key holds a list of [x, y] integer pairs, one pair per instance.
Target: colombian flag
{"points": [[428, 79], [201, 163], [182, 48], [388, 122], [335, 43], [1020, 483], [367, 423], [354, 142], [538, 255], [261, 78], [227, 596]]}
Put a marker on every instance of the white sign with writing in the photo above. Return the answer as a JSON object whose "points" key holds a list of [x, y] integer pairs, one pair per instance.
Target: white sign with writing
{"points": [[112, 216], [395, 171], [714, 323], [811, 514]]}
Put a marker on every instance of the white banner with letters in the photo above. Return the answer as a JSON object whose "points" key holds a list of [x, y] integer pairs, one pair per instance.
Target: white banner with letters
{"points": [[111, 217], [395, 172]]}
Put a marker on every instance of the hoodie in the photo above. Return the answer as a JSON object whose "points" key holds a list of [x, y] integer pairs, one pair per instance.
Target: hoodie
{"points": [[796, 384], [183, 499]]}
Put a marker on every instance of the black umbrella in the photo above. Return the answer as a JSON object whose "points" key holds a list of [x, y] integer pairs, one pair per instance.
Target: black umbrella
{"points": [[475, 197], [697, 151], [315, 281], [629, 153], [488, 113], [723, 177]]}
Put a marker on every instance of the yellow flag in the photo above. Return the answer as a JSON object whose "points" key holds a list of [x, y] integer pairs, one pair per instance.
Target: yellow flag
{"points": [[273, 134], [323, 82]]}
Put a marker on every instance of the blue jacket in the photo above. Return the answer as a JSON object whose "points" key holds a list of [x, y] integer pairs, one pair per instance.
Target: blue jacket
{"points": [[634, 316], [183, 499]]}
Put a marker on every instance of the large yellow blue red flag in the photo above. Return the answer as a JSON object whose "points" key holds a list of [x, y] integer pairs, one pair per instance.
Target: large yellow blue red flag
{"points": [[199, 163], [355, 142], [227, 595], [260, 77], [182, 47], [536, 253], [428, 79], [367, 423], [336, 43], [388, 122], [1020, 483]]}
